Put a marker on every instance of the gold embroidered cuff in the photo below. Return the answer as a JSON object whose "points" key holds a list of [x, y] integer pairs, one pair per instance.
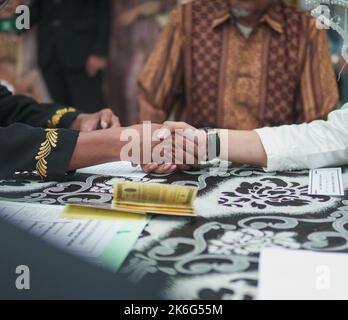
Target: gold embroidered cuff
{"points": [[45, 150], [54, 121]]}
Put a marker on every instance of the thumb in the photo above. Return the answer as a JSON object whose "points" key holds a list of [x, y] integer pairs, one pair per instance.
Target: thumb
{"points": [[172, 126], [163, 133], [105, 119]]}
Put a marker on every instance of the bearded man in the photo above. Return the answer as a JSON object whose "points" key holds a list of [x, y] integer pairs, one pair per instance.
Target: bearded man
{"points": [[239, 64]]}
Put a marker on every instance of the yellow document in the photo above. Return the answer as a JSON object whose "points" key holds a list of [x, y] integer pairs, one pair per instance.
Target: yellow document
{"points": [[92, 212], [155, 198]]}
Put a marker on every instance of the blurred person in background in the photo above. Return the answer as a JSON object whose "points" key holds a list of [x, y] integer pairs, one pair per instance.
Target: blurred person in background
{"points": [[73, 46], [239, 65], [336, 42], [138, 24], [14, 54], [339, 14], [339, 64]]}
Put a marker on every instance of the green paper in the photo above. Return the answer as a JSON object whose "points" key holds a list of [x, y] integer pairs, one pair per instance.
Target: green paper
{"points": [[121, 245]]}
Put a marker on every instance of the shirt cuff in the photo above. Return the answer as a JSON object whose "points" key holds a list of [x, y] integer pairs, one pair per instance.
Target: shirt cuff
{"points": [[63, 118], [272, 148], [56, 153], [68, 119]]}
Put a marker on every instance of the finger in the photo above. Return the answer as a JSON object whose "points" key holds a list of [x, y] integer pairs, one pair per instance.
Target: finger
{"points": [[173, 168], [167, 130], [178, 151], [115, 122], [170, 169], [89, 125], [105, 118], [167, 154], [109, 120], [172, 125], [163, 133], [148, 168], [166, 168], [185, 151], [193, 144]]}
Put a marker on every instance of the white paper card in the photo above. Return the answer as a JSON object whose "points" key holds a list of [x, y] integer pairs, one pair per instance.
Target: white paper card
{"points": [[326, 182], [119, 169], [103, 242], [86, 238], [303, 275]]}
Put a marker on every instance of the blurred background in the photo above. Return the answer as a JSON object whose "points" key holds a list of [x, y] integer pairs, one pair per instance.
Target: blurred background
{"points": [[124, 31]]}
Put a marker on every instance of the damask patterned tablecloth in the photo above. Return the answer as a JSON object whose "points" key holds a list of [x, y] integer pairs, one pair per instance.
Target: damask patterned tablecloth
{"points": [[214, 255]]}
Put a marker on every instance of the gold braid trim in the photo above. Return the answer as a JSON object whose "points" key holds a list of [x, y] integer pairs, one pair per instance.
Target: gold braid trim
{"points": [[45, 150], [54, 121]]}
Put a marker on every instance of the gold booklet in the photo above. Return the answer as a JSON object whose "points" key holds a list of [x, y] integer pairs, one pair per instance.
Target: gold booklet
{"points": [[155, 198], [148, 198]]}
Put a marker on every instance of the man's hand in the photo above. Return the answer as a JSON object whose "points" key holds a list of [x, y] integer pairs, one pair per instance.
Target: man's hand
{"points": [[193, 142], [103, 119], [95, 64], [164, 168], [150, 136]]}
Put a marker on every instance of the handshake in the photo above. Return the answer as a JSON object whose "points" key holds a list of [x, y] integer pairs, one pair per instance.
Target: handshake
{"points": [[157, 148], [168, 147]]}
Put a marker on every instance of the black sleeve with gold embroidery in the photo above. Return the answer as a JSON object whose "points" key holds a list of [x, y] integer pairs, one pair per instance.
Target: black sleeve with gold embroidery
{"points": [[14, 109], [28, 149], [26, 146]]}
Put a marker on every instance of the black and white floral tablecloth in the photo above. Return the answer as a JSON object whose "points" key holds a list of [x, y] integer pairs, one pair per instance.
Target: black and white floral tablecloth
{"points": [[214, 256]]}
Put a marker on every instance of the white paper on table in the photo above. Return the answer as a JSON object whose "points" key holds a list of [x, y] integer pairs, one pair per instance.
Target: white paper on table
{"points": [[119, 169], [304, 275], [87, 238], [326, 182]]}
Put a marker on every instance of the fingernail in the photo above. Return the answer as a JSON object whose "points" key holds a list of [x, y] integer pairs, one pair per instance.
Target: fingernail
{"points": [[173, 168], [104, 124], [162, 134]]}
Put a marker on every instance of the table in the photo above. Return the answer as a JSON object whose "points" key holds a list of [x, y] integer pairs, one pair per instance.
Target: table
{"points": [[214, 256]]}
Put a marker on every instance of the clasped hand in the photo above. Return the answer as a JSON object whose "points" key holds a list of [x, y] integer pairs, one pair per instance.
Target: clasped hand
{"points": [[157, 148], [166, 148]]}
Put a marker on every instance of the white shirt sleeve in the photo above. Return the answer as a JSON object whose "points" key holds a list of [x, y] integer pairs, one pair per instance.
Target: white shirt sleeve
{"points": [[307, 146]]}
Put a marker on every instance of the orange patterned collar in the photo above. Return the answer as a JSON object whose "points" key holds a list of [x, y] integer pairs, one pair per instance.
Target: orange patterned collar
{"points": [[271, 17]]}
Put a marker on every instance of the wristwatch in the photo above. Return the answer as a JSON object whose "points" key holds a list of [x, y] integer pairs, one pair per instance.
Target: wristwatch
{"points": [[213, 143]]}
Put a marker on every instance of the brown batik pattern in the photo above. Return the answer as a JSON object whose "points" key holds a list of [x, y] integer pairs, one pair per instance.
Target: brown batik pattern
{"points": [[206, 54], [283, 70], [206, 57]]}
